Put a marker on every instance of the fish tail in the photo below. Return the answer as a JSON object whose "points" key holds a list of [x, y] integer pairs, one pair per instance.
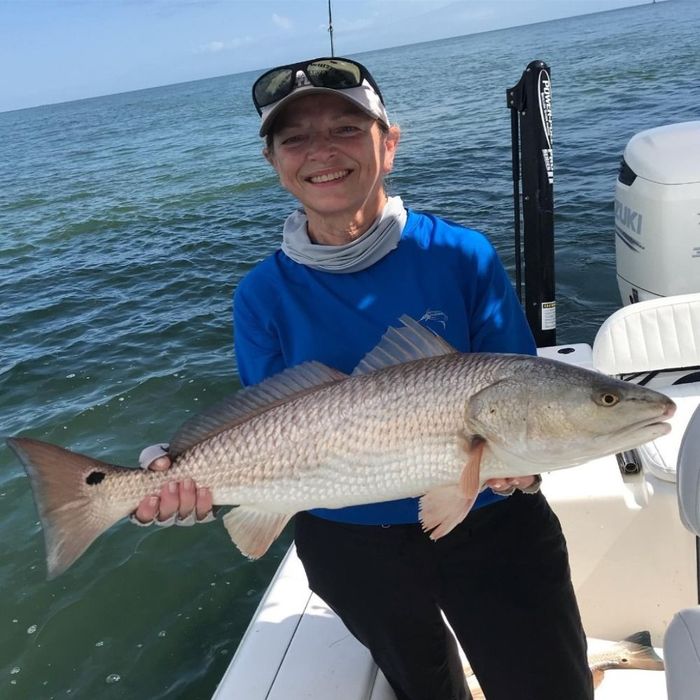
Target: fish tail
{"points": [[61, 480]]}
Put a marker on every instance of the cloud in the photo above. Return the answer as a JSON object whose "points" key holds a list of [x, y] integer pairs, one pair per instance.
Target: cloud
{"points": [[212, 47], [218, 46], [282, 22]]}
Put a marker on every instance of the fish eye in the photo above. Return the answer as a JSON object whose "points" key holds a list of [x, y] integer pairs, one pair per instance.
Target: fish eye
{"points": [[608, 398]]}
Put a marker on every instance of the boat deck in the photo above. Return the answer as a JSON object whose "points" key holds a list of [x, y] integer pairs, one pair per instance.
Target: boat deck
{"points": [[297, 649]]}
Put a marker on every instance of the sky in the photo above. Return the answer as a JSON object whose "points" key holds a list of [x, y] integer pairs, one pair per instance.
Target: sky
{"points": [[60, 50]]}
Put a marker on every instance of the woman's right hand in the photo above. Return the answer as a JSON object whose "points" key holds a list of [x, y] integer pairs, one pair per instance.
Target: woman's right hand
{"points": [[180, 502]]}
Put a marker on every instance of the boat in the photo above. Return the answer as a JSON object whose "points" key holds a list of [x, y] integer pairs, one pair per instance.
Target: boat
{"points": [[634, 555]]}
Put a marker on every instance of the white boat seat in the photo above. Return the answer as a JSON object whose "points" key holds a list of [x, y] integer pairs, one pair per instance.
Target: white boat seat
{"points": [[660, 457], [682, 639], [682, 655], [689, 475], [650, 335]]}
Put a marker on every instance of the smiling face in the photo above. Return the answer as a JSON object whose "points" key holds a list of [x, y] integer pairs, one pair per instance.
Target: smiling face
{"points": [[333, 158]]}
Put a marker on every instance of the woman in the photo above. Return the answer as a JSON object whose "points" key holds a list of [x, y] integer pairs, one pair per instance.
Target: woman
{"points": [[352, 262]]}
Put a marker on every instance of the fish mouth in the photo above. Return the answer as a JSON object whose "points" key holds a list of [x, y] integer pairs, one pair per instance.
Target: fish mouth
{"points": [[670, 410], [657, 426], [642, 432], [657, 421]]}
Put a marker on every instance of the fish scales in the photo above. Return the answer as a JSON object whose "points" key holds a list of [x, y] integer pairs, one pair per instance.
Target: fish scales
{"points": [[381, 435]]}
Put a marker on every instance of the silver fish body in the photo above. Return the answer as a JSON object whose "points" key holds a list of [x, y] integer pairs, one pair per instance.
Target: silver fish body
{"points": [[405, 425]]}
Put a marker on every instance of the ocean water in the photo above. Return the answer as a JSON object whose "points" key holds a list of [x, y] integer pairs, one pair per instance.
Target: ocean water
{"points": [[126, 223]]}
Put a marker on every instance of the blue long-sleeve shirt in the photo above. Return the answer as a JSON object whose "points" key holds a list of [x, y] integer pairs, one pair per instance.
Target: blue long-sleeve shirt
{"points": [[444, 275]]}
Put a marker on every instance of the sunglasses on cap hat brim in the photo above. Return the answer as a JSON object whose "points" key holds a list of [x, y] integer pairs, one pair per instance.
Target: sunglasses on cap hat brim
{"points": [[331, 73]]}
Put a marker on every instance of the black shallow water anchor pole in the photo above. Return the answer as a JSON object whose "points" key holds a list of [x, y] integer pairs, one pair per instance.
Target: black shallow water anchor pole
{"points": [[530, 102]]}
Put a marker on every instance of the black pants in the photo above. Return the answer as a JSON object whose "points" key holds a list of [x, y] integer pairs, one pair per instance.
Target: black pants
{"points": [[502, 579]]}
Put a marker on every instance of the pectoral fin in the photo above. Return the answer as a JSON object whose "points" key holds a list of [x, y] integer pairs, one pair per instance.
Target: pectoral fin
{"points": [[470, 481], [444, 507], [253, 530]]}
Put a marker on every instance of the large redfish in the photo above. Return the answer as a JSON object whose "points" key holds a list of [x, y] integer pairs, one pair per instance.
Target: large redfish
{"points": [[416, 418]]}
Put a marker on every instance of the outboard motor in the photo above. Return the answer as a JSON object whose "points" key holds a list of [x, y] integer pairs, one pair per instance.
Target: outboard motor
{"points": [[657, 213]]}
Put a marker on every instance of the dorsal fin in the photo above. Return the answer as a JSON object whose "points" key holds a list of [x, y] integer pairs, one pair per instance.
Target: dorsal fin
{"points": [[412, 342], [251, 401]]}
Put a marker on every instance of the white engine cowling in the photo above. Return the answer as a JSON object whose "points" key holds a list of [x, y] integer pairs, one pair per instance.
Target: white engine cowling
{"points": [[657, 213]]}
